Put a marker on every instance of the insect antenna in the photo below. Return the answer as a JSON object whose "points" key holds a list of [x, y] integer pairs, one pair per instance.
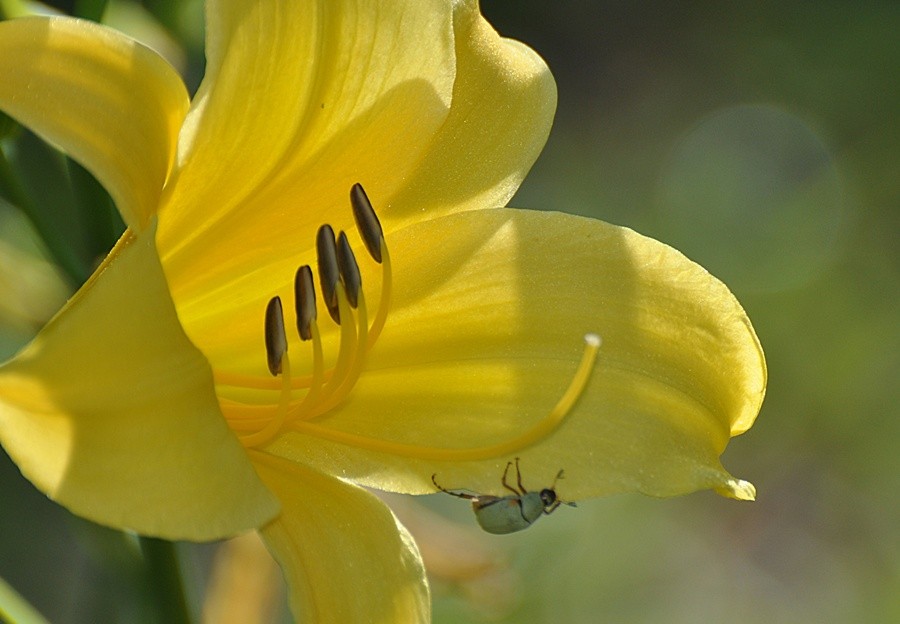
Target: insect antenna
{"points": [[561, 475]]}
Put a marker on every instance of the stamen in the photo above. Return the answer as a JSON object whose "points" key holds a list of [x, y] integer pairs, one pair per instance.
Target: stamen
{"points": [[347, 344], [536, 433], [254, 382], [367, 221], [354, 370], [276, 340], [244, 417], [329, 274], [349, 269], [384, 305], [304, 301], [279, 363], [251, 415], [276, 422], [315, 388]]}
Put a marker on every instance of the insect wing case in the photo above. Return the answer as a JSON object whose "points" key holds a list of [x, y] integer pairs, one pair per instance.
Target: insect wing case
{"points": [[507, 514]]}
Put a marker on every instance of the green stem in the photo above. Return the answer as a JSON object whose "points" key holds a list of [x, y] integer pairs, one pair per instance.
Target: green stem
{"points": [[14, 608], [164, 578]]}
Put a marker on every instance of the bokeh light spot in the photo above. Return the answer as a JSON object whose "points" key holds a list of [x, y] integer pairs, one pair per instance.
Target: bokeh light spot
{"points": [[753, 194]]}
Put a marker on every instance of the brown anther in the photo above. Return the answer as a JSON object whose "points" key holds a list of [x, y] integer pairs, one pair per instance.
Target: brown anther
{"points": [[304, 301], [366, 221], [349, 269], [329, 274], [276, 340]]}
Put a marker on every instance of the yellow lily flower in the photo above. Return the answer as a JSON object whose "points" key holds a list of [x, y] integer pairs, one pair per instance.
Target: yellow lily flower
{"points": [[149, 401]]}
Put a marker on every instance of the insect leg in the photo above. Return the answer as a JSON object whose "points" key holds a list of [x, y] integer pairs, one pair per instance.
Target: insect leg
{"points": [[519, 478], [451, 492], [507, 485]]}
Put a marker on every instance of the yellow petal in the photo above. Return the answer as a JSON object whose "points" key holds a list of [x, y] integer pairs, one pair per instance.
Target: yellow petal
{"points": [[111, 103], [486, 333], [345, 556], [296, 106], [394, 120], [111, 412], [504, 100]]}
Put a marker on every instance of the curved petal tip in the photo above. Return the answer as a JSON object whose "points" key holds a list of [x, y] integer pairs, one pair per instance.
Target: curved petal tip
{"points": [[738, 489]]}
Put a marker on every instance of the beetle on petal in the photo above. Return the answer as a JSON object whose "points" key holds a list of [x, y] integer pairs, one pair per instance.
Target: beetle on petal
{"points": [[509, 514]]}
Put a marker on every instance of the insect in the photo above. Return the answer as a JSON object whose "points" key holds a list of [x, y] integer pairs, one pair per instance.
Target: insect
{"points": [[508, 514]]}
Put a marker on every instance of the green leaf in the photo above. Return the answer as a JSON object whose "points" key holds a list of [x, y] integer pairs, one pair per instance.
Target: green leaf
{"points": [[90, 9], [35, 178]]}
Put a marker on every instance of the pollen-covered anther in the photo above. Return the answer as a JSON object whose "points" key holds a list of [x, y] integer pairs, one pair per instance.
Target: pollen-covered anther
{"points": [[276, 339], [349, 270], [304, 301], [329, 273], [325, 386], [367, 221]]}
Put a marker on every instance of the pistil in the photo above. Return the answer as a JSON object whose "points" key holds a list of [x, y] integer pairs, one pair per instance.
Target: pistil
{"points": [[540, 430]]}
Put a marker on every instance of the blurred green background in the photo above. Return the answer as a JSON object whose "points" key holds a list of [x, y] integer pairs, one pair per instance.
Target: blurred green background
{"points": [[761, 139]]}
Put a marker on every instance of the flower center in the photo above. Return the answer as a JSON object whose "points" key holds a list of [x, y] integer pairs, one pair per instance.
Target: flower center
{"points": [[303, 399], [341, 289]]}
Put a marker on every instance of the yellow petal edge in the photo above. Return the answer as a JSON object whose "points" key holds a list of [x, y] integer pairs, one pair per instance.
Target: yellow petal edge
{"points": [[112, 104], [490, 321], [344, 554], [111, 412]]}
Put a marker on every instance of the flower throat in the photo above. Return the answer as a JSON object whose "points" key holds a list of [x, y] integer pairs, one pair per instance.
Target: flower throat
{"points": [[340, 284]]}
